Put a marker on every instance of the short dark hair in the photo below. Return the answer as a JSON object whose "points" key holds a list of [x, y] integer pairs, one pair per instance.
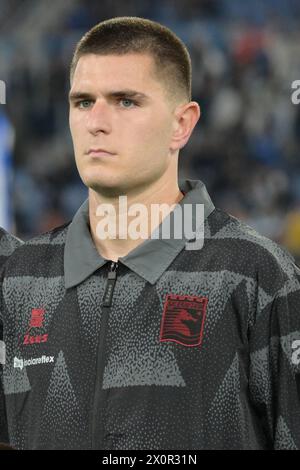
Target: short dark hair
{"points": [[128, 34]]}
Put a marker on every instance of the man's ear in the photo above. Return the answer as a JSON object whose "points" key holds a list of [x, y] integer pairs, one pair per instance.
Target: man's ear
{"points": [[186, 117]]}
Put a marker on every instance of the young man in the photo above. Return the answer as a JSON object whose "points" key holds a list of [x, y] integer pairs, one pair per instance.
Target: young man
{"points": [[137, 342], [8, 244]]}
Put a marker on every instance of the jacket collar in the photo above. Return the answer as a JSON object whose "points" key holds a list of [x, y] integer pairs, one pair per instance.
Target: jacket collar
{"points": [[150, 259]]}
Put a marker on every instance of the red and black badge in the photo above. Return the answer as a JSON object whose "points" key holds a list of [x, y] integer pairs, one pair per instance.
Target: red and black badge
{"points": [[183, 319]]}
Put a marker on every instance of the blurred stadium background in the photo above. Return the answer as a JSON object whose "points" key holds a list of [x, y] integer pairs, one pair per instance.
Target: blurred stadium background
{"points": [[246, 146]]}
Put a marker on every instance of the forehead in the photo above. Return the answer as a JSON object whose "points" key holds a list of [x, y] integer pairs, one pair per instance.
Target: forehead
{"points": [[129, 70]]}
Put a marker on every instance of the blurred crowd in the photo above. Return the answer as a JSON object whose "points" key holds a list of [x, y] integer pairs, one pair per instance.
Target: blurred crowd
{"points": [[246, 146]]}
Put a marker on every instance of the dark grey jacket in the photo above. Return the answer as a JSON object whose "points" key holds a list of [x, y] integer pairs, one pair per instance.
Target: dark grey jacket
{"points": [[170, 349]]}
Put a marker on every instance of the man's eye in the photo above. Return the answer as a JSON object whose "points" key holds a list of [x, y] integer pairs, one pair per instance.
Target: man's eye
{"points": [[83, 104], [127, 103]]}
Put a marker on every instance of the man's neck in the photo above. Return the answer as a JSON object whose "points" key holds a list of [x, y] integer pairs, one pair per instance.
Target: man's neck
{"points": [[119, 246]]}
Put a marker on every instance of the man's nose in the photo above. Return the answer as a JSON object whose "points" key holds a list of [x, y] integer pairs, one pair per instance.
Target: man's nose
{"points": [[99, 118]]}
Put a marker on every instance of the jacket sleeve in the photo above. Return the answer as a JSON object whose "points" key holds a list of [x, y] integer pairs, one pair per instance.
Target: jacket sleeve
{"points": [[3, 417], [274, 376], [8, 244]]}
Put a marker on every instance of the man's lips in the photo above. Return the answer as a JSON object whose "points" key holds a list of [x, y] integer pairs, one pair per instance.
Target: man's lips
{"points": [[98, 152]]}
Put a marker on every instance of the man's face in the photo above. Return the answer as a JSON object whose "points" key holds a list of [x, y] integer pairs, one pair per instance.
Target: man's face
{"points": [[118, 105]]}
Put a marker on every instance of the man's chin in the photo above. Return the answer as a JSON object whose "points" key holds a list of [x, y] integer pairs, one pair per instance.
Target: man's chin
{"points": [[108, 187]]}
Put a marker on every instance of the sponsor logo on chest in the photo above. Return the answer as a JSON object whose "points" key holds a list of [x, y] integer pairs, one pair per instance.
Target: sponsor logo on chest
{"points": [[36, 321]]}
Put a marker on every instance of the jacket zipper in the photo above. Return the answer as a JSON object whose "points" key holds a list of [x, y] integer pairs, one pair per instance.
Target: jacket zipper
{"points": [[100, 361], [110, 285]]}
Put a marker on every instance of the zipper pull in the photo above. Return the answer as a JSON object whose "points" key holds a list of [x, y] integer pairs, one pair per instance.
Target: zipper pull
{"points": [[110, 285]]}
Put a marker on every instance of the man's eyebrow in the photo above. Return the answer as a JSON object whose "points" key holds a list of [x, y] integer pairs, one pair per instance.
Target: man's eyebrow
{"points": [[79, 95]]}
